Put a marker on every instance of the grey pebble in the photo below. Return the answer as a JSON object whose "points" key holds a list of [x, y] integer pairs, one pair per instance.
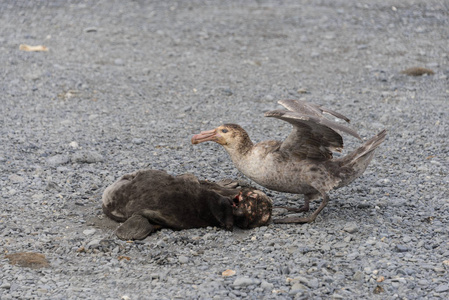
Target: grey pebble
{"points": [[183, 259], [5, 285], [90, 29], [119, 62], [52, 186], [245, 281], [351, 228], [16, 178], [442, 288], [94, 243], [266, 285], [401, 248], [87, 157], [311, 283], [63, 169], [297, 288], [57, 160], [137, 141], [358, 276], [89, 231]]}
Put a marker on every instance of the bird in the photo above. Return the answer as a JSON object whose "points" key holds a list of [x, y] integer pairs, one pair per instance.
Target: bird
{"points": [[301, 164]]}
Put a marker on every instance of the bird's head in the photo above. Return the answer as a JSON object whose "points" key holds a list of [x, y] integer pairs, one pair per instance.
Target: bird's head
{"points": [[227, 135]]}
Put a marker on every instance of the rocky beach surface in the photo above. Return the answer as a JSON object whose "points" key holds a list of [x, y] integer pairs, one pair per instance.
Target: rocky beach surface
{"points": [[116, 86]]}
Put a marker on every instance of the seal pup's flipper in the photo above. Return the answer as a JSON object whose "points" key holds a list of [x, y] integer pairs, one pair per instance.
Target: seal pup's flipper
{"points": [[136, 227]]}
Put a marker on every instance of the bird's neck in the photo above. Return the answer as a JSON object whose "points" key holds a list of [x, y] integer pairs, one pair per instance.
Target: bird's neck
{"points": [[239, 151]]}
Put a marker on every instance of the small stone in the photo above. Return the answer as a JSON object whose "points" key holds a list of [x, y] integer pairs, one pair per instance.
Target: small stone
{"points": [[66, 122], [353, 255], [266, 285], [119, 62], [297, 287], [62, 169], [87, 157], [38, 197], [5, 285], [339, 245], [364, 205], [227, 273], [442, 288], [358, 276], [90, 29], [351, 228], [89, 231], [313, 283], [325, 247], [74, 145], [16, 178], [227, 92], [208, 236], [57, 160], [423, 282], [137, 141], [284, 270], [93, 243], [337, 296], [269, 97], [401, 248], [245, 281], [52, 186], [183, 259]]}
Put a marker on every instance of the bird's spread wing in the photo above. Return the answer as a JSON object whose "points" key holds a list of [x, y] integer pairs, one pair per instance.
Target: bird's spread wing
{"points": [[313, 135], [310, 109]]}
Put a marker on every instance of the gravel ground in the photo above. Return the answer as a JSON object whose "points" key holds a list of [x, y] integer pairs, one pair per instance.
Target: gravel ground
{"points": [[125, 84]]}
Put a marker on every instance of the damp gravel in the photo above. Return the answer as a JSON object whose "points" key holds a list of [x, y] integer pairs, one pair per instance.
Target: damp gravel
{"points": [[125, 84]]}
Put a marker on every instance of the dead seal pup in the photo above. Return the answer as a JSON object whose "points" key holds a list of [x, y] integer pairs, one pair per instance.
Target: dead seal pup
{"points": [[147, 200]]}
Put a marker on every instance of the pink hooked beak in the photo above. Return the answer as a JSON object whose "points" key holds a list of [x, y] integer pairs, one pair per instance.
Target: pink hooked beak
{"points": [[204, 136]]}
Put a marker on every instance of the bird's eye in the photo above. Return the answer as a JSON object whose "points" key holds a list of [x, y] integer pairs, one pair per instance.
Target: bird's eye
{"points": [[224, 130]]}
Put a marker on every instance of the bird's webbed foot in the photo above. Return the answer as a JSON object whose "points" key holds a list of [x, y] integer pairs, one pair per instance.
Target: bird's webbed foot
{"points": [[304, 208], [308, 219], [232, 183]]}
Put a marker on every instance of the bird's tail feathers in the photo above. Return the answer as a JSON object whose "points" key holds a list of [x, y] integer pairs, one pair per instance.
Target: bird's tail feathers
{"points": [[364, 151], [354, 164]]}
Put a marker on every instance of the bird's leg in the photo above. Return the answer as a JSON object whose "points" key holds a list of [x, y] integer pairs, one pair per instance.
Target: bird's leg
{"points": [[308, 219]]}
